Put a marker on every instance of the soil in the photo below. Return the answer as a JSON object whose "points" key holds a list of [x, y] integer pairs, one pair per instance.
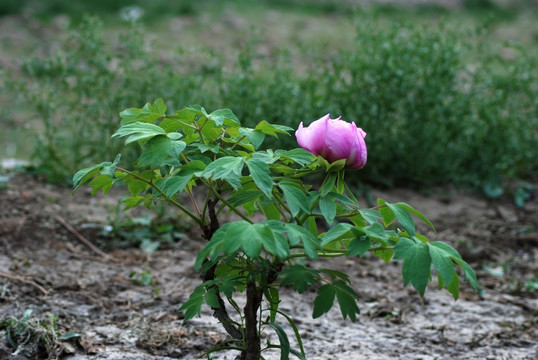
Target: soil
{"points": [[45, 266]]}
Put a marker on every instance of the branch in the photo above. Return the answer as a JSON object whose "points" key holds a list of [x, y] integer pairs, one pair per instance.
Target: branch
{"points": [[81, 238], [20, 279]]}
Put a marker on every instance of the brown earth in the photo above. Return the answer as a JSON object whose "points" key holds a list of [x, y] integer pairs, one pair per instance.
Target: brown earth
{"points": [[45, 266]]}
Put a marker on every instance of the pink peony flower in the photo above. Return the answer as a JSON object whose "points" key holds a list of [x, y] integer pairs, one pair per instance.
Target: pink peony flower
{"points": [[334, 139]]}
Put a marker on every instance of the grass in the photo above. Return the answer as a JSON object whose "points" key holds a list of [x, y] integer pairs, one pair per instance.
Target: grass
{"points": [[456, 84]]}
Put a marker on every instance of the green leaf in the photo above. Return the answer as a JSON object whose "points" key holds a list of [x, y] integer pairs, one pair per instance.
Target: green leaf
{"points": [[299, 156], [299, 277], [129, 115], [376, 232], [328, 209], [270, 210], [102, 181], [386, 213], [231, 235], [335, 274], [442, 262], [136, 186], [211, 298], [385, 255], [138, 131], [204, 147], [447, 249], [312, 226], [226, 239], [132, 201], [299, 354], [159, 149], [328, 184], [173, 184], [275, 243], [359, 246], [148, 114], [402, 215], [224, 117], [227, 168], [324, 300], [417, 263], [193, 306], [470, 275], [273, 298], [267, 156], [454, 286], [252, 239], [417, 213], [298, 234], [347, 299], [229, 285], [272, 129], [295, 197], [338, 232], [107, 168], [261, 175], [254, 136], [241, 197], [370, 216], [257, 235], [283, 339], [68, 336]]}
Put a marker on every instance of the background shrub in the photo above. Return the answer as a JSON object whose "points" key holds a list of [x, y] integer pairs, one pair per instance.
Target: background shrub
{"points": [[439, 105]]}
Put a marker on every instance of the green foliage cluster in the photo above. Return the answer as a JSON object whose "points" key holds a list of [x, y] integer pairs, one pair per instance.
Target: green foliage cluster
{"points": [[438, 105], [75, 94], [436, 108]]}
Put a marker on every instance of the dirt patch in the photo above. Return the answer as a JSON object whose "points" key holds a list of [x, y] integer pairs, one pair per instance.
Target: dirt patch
{"points": [[45, 267]]}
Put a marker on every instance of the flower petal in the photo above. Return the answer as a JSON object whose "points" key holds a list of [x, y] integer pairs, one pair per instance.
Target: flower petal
{"points": [[312, 137]]}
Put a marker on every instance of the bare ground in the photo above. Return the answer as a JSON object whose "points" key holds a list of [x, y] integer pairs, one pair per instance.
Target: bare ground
{"points": [[44, 266]]}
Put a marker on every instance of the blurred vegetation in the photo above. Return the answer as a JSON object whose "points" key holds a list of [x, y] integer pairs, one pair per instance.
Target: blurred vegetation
{"points": [[440, 103]]}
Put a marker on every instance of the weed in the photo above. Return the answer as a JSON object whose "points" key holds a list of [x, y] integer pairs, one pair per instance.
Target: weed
{"points": [[33, 337], [145, 231]]}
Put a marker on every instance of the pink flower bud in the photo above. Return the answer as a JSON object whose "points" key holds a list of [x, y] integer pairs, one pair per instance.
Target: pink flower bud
{"points": [[334, 139]]}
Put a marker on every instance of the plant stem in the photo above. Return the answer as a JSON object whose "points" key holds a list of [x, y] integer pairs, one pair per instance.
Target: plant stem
{"points": [[197, 219], [252, 337], [336, 253], [225, 202], [219, 312]]}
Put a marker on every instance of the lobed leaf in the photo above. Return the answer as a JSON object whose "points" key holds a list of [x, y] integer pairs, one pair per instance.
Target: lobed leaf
{"points": [[227, 168], [295, 197], [417, 263], [347, 299], [298, 234], [159, 149], [138, 131], [261, 174], [327, 207], [324, 300], [299, 277]]}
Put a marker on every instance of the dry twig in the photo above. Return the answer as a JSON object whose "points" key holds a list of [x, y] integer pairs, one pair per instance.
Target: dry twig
{"points": [[81, 238], [23, 280]]}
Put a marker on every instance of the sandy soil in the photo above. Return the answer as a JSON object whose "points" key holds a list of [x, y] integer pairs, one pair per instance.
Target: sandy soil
{"points": [[44, 266]]}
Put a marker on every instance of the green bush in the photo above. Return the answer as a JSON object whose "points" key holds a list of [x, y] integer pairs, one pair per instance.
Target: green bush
{"points": [[78, 92], [430, 118], [437, 105]]}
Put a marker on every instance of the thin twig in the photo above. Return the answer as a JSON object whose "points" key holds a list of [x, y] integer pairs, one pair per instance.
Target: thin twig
{"points": [[81, 238], [18, 278]]}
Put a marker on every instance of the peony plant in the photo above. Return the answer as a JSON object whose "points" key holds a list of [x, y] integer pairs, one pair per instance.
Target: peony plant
{"points": [[193, 151]]}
